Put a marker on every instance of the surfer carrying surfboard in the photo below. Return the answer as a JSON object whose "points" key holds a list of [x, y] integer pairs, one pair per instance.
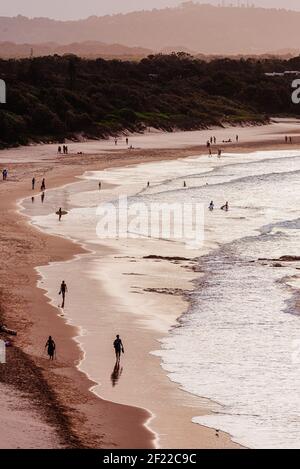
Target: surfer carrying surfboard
{"points": [[60, 213]]}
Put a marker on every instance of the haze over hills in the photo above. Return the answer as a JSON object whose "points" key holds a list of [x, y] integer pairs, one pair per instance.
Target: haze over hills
{"points": [[88, 49], [203, 28]]}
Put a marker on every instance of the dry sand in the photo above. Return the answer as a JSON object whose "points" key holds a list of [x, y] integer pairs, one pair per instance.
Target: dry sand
{"points": [[57, 397]]}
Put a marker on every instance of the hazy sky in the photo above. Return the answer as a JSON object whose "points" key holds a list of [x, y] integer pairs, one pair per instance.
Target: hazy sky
{"points": [[73, 9]]}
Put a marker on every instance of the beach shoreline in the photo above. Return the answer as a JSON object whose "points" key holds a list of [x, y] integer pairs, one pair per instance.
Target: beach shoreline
{"points": [[30, 248]]}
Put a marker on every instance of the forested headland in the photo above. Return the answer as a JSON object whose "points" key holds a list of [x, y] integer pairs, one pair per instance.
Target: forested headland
{"points": [[58, 97]]}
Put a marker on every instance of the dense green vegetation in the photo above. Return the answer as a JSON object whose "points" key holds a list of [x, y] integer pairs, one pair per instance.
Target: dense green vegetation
{"points": [[51, 98]]}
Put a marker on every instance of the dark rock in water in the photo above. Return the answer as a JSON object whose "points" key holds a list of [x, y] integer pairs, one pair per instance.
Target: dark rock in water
{"points": [[167, 258], [290, 258], [282, 259], [166, 291], [277, 265]]}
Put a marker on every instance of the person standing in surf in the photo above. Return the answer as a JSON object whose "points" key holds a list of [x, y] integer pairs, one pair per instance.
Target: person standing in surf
{"points": [[63, 290], [59, 214]]}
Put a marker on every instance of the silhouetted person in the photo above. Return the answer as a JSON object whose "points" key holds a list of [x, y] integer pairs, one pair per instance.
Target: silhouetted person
{"points": [[100, 186], [63, 290], [225, 207], [59, 150], [32, 199], [118, 346], [148, 184], [184, 184], [43, 186], [211, 206], [237, 139], [50, 346], [127, 140], [59, 214], [33, 183]]}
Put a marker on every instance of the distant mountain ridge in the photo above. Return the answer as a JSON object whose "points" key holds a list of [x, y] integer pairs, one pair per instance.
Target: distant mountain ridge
{"points": [[88, 49], [203, 28]]}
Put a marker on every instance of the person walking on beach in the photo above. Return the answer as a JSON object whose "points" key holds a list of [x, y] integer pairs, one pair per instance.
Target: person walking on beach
{"points": [[237, 139], [50, 346], [59, 214], [43, 186], [119, 348], [63, 290], [100, 186], [148, 184], [59, 150], [211, 206], [33, 183], [127, 140]]}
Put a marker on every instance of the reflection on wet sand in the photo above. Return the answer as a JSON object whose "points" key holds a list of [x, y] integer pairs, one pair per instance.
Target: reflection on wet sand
{"points": [[116, 374]]}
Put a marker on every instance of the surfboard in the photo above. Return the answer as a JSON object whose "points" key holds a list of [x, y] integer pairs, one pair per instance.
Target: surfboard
{"points": [[63, 212]]}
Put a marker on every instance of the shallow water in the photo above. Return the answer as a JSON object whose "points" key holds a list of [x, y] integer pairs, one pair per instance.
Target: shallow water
{"points": [[238, 343]]}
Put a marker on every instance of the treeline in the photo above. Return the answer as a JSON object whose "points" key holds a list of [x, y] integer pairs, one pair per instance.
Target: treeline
{"points": [[53, 98]]}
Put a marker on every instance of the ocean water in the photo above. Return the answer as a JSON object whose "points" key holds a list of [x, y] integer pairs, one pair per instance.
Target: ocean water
{"points": [[238, 344]]}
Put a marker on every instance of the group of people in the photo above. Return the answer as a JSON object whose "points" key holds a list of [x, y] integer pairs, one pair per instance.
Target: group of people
{"points": [[212, 140], [43, 184], [116, 141], [117, 345], [43, 188], [51, 346], [224, 207], [219, 152], [64, 150], [4, 174], [288, 139]]}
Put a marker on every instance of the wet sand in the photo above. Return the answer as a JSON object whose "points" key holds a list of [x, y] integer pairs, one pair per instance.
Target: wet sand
{"points": [[88, 421]]}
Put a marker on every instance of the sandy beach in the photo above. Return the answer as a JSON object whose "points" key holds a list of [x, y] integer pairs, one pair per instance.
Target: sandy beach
{"points": [[57, 400]]}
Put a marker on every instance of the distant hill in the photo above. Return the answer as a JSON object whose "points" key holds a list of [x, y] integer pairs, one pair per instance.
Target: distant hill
{"points": [[203, 28], [87, 49]]}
